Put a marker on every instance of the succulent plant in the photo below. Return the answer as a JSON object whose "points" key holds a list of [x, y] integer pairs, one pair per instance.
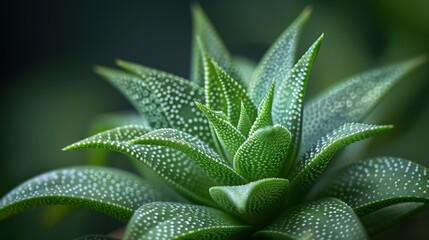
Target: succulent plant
{"points": [[244, 157]]}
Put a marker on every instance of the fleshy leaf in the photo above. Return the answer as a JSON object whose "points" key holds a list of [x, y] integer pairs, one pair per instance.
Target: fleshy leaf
{"points": [[213, 92], [264, 112], [278, 60], [164, 221], [351, 100], [385, 218], [234, 94], [174, 166], [162, 99], [328, 218], [207, 35], [251, 200], [263, 153], [314, 162], [245, 68], [230, 138], [96, 237], [114, 192], [208, 160], [369, 185], [289, 100], [244, 123]]}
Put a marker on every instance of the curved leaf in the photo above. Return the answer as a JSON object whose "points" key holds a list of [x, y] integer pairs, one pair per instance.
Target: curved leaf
{"points": [[351, 100], [264, 112], [289, 100], [172, 165], [234, 94], [209, 161], [262, 154], [372, 184], [314, 162], [230, 138], [163, 99], [244, 123], [114, 192], [164, 221], [327, 218], [278, 60], [251, 200], [204, 30], [384, 218]]}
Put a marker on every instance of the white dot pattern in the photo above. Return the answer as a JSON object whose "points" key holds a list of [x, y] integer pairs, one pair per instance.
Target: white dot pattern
{"points": [[209, 161], [174, 166], [264, 111], [324, 219], [165, 221], [314, 162], [230, 137], [252, 199], [289, 99], [262, 154], [349, 101], [368, 185], [277, 62], [110, 191], [161, 94]]}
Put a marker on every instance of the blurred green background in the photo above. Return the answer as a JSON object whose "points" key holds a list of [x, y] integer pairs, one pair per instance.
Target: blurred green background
{"points": [[50, 96]]}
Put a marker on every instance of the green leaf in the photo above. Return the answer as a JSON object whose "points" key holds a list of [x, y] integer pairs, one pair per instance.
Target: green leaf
{"points": [[113, 192], [234, 94], [385, 218], [213, 92], [163, 99], [251, 200], [207, 159], [351, 100], [230, 138], [328, 218], [204, 30], [244, 123], [289, 99], [96, 237], [245, 68], [263, 153], [372, 184], [164, 221], [175, 167], [314, 162], [278, 60], [264, 118]]}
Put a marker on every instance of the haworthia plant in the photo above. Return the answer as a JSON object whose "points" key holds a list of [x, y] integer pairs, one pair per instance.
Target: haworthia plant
{"points": [[240, 153]]}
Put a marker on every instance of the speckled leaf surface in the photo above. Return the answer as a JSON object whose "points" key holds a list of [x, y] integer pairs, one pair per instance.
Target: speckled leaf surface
{"points": [[387, 217], [162, 99], [172, 165], [96, 237], [262, 154], [165, 221], [209, 161], [207, 34], [289, 99], [234, 94], [113, 192], [314, 162], [252, 199], [244, 123], [229, 136], [351, 100], [264, 111], [278, 61], [327, 218], [369, 185]]}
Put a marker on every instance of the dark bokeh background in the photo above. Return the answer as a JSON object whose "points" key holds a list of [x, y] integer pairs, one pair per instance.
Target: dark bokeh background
{"points": [[50, 96]]}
